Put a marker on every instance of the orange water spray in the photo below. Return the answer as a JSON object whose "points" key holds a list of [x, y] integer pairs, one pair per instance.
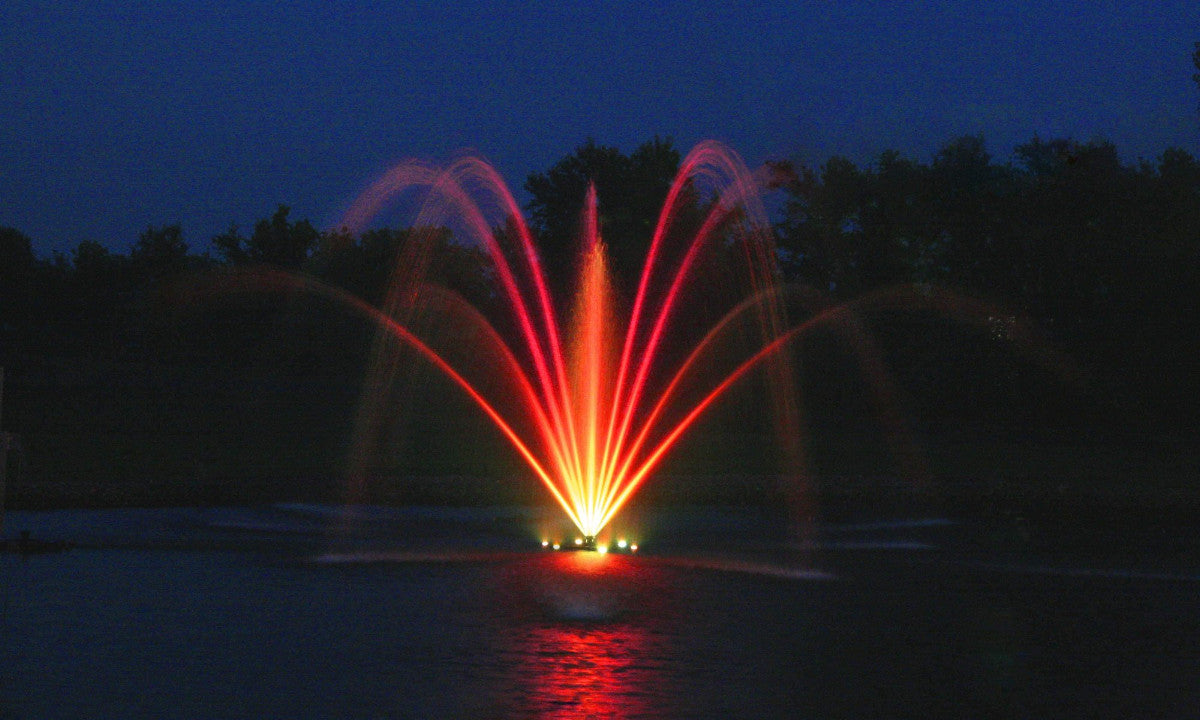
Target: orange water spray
{"points": [[598, 428]]}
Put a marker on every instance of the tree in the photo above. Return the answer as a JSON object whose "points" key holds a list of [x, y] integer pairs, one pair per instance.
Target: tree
{"points": [[822, 222], [630, 192], [275, 241], [1196, 62], [895, 238], [231, 246], [100, 276], [16, 278], [967, 196], [159, 252], [1076, 213]]}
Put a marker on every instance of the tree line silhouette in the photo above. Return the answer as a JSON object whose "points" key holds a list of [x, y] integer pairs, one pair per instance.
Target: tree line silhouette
{"points": [[1099, 254]]}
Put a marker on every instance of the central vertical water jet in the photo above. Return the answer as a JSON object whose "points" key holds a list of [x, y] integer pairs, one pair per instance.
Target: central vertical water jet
{"points": [[593, 410], [592, 341]]}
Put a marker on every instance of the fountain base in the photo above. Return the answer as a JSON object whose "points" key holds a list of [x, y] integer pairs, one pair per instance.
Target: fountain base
{"points": [[588, 543]]}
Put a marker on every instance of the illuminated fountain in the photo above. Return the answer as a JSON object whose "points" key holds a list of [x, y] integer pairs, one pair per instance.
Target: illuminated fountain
{"points": [[594, 403]]}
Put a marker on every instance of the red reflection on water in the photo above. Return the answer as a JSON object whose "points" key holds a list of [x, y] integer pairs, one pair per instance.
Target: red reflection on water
{"points": [[590, 652], [588, 672]]}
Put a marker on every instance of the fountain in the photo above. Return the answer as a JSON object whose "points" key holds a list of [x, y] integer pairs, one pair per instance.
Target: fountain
{"points": [[593, 404], [594, 390]]}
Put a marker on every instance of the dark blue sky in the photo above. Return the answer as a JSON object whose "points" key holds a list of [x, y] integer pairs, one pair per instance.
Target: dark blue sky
{"points": [[118, 115]]}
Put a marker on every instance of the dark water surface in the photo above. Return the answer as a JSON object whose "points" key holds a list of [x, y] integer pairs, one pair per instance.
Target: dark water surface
{"points": [[289, 612]]}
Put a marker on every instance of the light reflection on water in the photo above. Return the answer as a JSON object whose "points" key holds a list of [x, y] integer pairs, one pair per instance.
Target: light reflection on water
{"points": [[221, 614], [578, 671], [587, 633]]}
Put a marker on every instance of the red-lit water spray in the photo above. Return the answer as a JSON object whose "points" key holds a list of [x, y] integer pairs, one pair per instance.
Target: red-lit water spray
{"points": [[598, 425]]}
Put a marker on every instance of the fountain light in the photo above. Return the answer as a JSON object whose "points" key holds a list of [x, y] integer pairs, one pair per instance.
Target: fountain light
{"points": [[595, 409]]}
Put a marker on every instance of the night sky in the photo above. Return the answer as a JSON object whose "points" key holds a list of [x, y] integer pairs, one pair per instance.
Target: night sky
{"points": [[119, 115]]}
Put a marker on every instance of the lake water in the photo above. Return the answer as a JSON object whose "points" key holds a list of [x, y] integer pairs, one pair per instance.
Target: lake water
{"points": [[299, 612]]}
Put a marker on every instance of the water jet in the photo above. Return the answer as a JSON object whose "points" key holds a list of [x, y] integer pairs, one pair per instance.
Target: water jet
{"points": [[594, 390]]}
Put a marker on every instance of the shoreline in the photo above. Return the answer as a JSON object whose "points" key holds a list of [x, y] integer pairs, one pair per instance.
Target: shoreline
{"points": [[1015, 500]]}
